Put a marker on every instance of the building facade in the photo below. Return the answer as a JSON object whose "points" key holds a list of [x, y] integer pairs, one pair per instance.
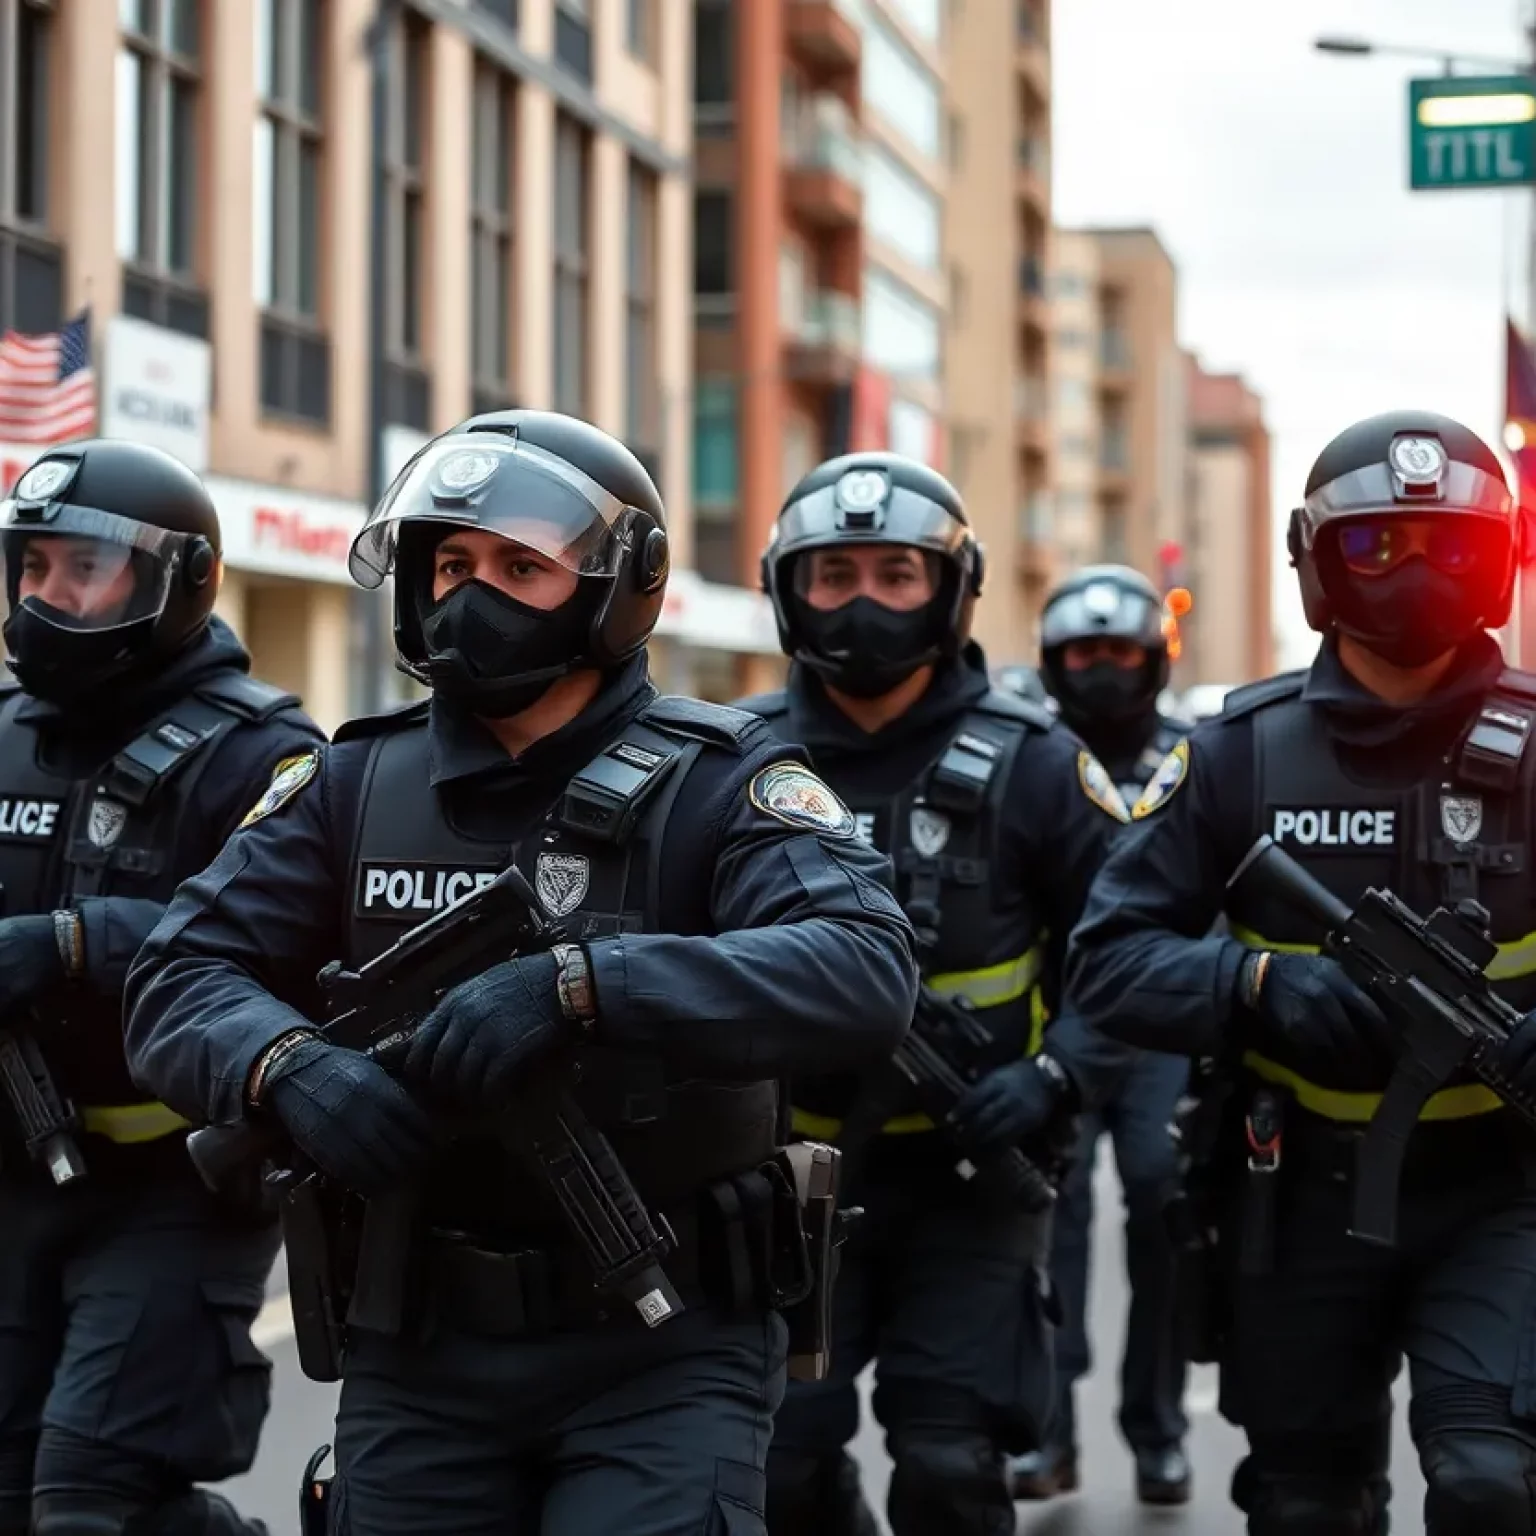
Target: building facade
{"points": [[197, 177], [819, 287]]}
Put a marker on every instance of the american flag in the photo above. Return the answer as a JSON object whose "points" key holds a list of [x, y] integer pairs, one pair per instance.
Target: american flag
{"points": [[47, 385]]}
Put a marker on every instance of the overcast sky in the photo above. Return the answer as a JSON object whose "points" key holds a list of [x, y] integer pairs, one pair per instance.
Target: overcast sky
{"points": [[1277, 178]]}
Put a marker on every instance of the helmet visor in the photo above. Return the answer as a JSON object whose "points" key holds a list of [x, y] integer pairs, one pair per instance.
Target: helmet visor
{"points": [[497, 484], [86, 569], [904, 517], [1102, 608]]}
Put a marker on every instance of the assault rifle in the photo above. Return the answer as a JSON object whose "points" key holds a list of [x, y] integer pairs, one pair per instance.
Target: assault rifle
{"points": [[1427, 975], [47, 1121], [377, 1008], [940, 1058]]}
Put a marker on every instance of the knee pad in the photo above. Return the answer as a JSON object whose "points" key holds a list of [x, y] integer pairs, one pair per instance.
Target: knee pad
{"points": [[811, 1495], [1482, 1482]]}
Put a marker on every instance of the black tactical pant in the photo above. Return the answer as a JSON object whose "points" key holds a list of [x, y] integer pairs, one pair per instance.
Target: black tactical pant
{"points": [[1316, 1343], [1151, 1371], [127, 1371], [950, 1300], [659, 1432]]}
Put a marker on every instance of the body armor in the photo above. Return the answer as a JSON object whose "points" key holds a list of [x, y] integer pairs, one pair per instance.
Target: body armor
{"points": [[124, 832], [978, 937], [594, 863], [1465, 833]]}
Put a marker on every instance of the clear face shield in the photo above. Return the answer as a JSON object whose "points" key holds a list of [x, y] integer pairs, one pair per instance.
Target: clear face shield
{"points": [[497, 484]]}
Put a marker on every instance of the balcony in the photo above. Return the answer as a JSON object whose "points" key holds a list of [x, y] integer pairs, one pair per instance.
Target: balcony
{"points": [[827, 36], [824, 165], [1115, 354], [1114, 454], [1036, 537], [1032, 171], [1032, 413], [1032, 47], [1034, 306], [826, 344]]}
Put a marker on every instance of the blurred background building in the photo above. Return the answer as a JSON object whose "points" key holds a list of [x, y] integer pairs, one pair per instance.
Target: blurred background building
{"points": [[743, 236]]}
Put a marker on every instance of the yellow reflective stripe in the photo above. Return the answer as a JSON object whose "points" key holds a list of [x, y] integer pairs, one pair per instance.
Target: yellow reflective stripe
{"points": [[992, 985], [1458, 1103], [1039, 1017], [826, 1127], [130, 1123], [1515, 959]]}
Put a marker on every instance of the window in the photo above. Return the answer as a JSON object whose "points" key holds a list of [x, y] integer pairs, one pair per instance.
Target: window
{"points": [[490, 219], [1070, 285], [714, 243], [901, 330], [714, 69], [290, 64], [900, 210], [714, 443], [912, 431], [896, 83], [642, 391], [922, 16], [639, 29], [26, 30], [572, 164], [505, 11], [1073, 394], [407, 383], [573, 39], [1073, 340], [157, 134]]}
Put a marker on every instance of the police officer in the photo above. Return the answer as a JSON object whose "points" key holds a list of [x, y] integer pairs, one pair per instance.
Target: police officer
{"points": [[996, 818], [724, 927], [1400, 759], [131, 743], [1104, 658]]}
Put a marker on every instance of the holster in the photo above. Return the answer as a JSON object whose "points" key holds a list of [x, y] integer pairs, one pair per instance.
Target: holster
{"points": [[315, 1290], [1265, 1130], [814, 1172], [315, 1497]]}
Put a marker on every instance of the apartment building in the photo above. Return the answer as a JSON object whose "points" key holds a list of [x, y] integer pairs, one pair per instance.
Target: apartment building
{"points": [[196, 176], [998, 352], [819, 286]]}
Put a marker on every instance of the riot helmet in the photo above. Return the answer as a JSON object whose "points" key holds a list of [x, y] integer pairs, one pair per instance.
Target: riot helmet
{"points": [[1119, 612], [861, 644], [571, 503], [111, 566], [1405, 540]]}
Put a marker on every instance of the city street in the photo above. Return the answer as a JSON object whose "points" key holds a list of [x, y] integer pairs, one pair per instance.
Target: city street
{"points": [[301, 1420]]}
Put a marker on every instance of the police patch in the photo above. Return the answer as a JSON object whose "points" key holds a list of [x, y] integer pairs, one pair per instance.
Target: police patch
{"points": [[1461, 817], [790, 792], [1164, 784], [561, 881], [288, 778], [105, 823], [1099, 787]]}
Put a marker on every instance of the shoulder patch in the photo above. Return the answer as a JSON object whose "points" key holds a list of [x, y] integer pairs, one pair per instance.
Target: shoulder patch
{"points": [[718, 724], [1163, 784], [1099, 787], [1252, 696], [791, 793], [288, 778]]}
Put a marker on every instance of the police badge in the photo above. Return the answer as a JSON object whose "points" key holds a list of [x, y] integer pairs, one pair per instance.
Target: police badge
{"points": [[1164, 783], [1461, 817], [1099, 787], [929, 831], [561, 880], [105, 823]]}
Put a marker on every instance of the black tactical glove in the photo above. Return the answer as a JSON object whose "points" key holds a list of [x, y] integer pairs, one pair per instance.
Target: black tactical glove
{"points": [[30, 959], [1320, 1014], [347, 1115], [471, 1048], [1008, 1104]]}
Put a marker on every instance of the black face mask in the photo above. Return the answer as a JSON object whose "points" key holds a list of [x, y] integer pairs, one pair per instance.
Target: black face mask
{"points": [[1413, 614], [865, 649], [497, 656], [1105, 693], [56, 659]]}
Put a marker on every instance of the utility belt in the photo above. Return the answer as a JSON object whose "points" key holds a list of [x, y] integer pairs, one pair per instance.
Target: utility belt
{"points": [[765, 1239]]}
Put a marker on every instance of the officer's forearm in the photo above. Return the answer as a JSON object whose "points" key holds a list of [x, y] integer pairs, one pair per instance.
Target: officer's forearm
{"points": [[114, 929], [1155, 989], [814, 996], [193, 1028], [1095, 1062]]}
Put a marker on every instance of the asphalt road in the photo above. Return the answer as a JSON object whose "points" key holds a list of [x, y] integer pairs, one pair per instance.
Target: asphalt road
{"points": [[302, 1413]]}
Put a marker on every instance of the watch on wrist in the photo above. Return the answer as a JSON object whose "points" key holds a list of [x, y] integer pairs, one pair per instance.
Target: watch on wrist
{"points": [[1056, 1075], [573, 982], [69, 935], [256, 1084]]}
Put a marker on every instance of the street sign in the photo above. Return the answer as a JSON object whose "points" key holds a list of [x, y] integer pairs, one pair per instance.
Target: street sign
{"points": [[1466, 132]]}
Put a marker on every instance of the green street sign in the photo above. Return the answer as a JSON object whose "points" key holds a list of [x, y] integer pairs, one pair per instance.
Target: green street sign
{"points": [[1465, 132]]}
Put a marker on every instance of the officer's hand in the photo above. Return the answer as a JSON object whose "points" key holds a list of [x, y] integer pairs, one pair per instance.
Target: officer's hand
{"points": [[1322, 1015], [30, 959], [348, 1116], [472, 1046], [1008, 1104]]}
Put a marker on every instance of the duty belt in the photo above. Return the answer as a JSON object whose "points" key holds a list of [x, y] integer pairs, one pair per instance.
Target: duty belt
{"points": [[991, 986]]}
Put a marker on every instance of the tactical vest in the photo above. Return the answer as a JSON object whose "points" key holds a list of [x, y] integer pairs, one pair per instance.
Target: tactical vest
{"points": [[1464, 833], [595, 865], [124, 832], [942, 833]]}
